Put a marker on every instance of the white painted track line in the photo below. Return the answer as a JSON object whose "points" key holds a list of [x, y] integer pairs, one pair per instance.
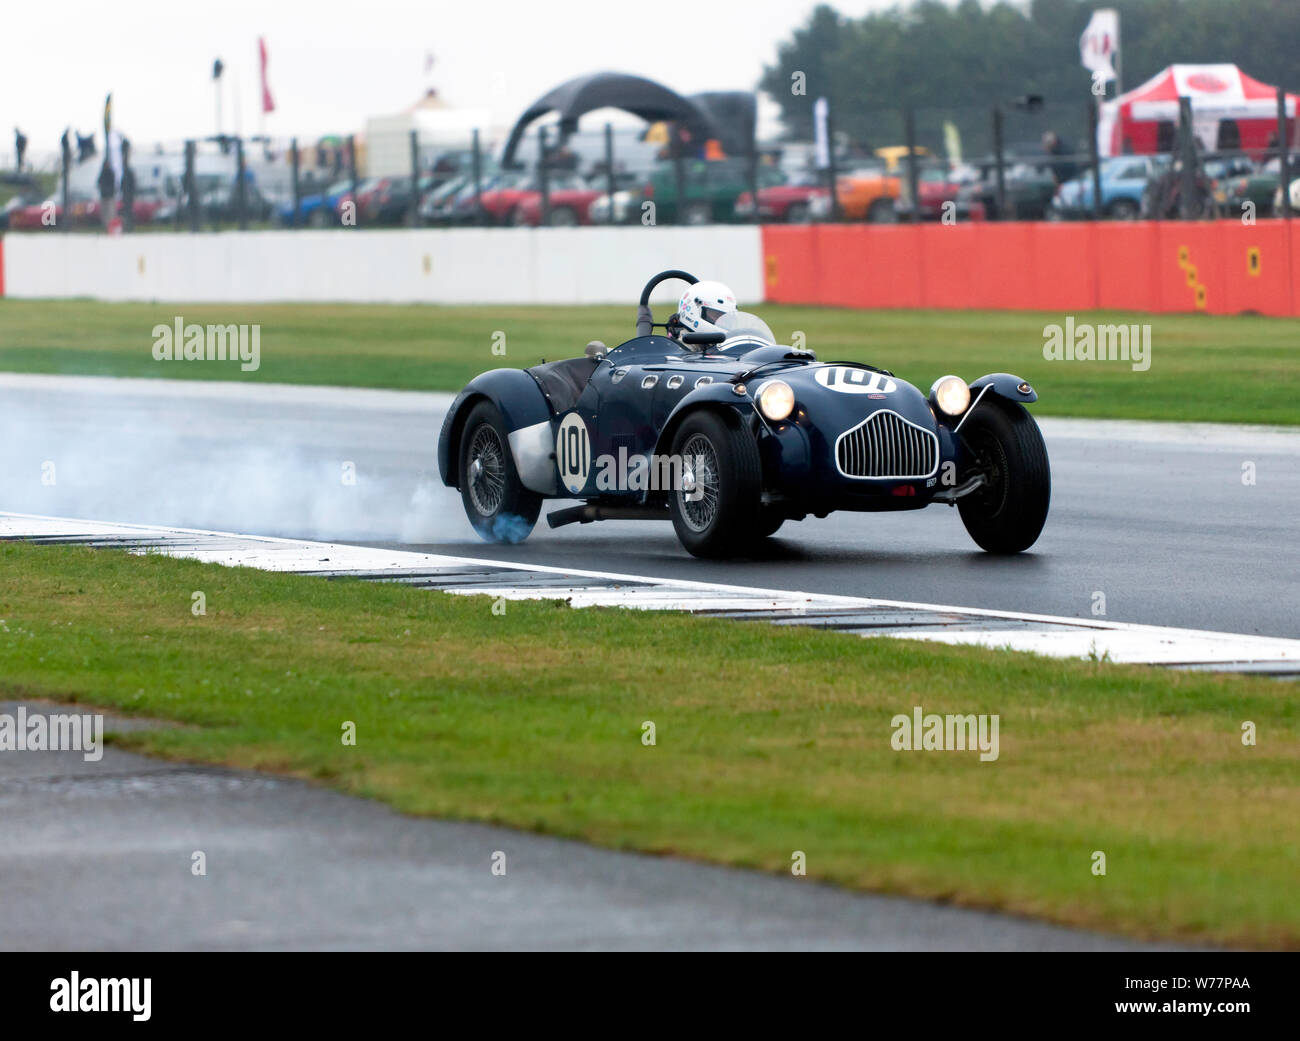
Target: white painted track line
{"points": [[1041, 634]]}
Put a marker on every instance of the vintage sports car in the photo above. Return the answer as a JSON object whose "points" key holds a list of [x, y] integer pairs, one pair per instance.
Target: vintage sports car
{"points": [[721, 430]]}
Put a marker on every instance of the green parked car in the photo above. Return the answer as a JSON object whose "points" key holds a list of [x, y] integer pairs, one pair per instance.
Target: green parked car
{"points": [[1259, 187], [710, 190]]}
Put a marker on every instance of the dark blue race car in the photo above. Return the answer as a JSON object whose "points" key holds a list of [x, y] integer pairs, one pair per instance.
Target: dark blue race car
{"points": [[728, 435]]}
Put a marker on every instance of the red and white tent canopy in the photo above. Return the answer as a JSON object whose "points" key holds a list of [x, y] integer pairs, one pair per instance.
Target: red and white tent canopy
{"points": [[1221, 95]]}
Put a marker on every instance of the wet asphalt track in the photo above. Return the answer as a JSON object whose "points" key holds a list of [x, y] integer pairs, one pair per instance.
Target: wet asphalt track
{"points": [[1154, 516], [98, 855]]}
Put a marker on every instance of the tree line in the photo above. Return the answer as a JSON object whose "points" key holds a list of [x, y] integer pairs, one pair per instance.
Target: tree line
{"points": [[954, 63]]}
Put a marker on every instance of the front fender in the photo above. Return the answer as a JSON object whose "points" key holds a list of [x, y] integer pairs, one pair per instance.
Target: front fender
{"points": [[1004, 385], [524, 408], [711, 395]]}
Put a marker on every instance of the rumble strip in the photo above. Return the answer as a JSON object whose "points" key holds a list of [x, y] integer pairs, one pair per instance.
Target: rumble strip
{"points": [[1043, 634]]}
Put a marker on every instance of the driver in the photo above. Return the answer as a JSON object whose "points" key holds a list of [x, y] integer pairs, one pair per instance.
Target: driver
{"points": [[700, 306]]}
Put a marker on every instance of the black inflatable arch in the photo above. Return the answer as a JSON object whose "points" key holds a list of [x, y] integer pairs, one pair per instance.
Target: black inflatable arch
{"points": [[645, 98]]}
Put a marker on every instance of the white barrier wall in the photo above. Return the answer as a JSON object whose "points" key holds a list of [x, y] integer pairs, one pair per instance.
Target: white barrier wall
{"points": [[445, 266]]}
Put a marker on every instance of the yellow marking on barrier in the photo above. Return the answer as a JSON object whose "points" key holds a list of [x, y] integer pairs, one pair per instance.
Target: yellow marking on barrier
{"points": [[1253, 261]]}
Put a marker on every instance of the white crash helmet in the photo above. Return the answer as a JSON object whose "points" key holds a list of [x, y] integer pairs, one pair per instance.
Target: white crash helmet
{"points": [[703, 304]]}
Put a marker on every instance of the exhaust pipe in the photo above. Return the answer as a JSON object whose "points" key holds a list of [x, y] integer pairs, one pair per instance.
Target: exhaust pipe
{"points": [[591, 512]]}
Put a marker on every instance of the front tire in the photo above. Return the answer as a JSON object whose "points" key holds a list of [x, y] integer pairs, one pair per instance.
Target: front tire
{"points": [[1007, 513], [723, 478], [497, 504]]}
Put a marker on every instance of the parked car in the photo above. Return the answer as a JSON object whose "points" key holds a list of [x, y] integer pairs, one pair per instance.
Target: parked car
{"points": [[315, 210], [1029, 190], [1256, 185], [20, 201], [791, 202], [569, 204], [433, 202], [627, 207], [501, 203], [1123, 182], [389, 202], [711, 189], [219, 205], [867, 193], [32, 217], [936, 188]]}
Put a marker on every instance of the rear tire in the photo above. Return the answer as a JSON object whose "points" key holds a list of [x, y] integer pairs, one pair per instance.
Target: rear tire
{"points": [[720, 457], [497, 504], [1007, 514]]}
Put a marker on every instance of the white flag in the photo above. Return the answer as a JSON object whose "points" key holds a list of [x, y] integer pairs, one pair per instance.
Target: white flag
{"points": [[1098, 44], [821, 139]]}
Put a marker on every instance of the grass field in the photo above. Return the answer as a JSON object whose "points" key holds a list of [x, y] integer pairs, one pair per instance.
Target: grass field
{"points": [[768, 740], [1227, 369]]}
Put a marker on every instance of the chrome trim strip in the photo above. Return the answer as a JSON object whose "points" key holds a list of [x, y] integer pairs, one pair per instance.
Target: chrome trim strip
{"points": [[978, 398]]}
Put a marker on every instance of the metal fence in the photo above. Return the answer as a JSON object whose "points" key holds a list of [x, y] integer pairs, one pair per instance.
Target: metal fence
{"points": [[1006, 161]]}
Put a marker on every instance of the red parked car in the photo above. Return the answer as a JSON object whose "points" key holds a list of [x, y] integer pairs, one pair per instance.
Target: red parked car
{"points": [[570, 201], [792, 202], [505, 196], [32, 218], [933, 189]]}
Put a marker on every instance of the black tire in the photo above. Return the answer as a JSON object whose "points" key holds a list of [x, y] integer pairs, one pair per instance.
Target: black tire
{"points": [[721, 523], [319, 218], [1006, 514], [497, 504], [882, 211], [564, 217], [798, 213]]}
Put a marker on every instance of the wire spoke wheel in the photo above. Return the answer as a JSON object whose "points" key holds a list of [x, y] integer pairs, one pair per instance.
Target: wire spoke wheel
{"points": [[487, 471], [716, 506], [700, 486]]}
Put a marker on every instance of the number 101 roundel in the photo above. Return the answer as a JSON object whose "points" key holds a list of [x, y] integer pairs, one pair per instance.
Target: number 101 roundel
{"points": [[728, 435]]}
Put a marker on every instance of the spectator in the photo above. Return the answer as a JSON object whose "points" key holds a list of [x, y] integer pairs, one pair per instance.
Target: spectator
{"points": [[1063, 169], [107, 192], [20, 148], [128, 188]]}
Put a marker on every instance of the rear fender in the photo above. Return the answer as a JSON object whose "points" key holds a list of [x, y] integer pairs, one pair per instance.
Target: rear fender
{"points": [[527, 417]]}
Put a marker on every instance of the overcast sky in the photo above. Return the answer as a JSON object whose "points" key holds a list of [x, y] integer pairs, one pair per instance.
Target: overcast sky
{"points": [[334, 63]]}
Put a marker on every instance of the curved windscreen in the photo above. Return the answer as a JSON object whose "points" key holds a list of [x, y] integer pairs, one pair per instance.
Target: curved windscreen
{"points": [[741, 325]]}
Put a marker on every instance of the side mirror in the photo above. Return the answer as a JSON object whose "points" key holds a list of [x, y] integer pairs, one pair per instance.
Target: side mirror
{"points": [[704, 338]]}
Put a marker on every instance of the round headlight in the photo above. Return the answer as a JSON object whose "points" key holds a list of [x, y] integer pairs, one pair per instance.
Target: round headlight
{"points": [[775, 399], [950, 394]]}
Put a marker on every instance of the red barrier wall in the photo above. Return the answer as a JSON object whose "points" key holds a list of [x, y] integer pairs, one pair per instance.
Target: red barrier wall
{"points": [[1219, 267]]}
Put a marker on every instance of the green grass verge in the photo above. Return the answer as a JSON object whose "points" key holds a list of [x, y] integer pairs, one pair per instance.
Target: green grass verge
{"points": [[1226, 369], [769, 740]]}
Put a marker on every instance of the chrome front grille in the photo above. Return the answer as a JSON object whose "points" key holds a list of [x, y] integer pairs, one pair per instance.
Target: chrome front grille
{"points": [[886, 445]]}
